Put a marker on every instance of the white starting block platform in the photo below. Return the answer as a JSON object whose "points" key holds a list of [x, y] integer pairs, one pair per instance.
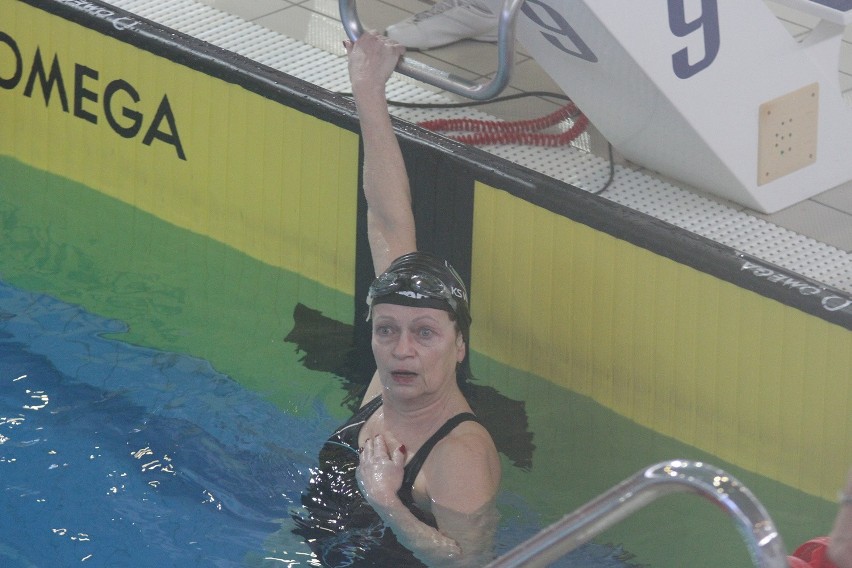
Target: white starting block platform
{"points": [[714, 93], [834, 11]]}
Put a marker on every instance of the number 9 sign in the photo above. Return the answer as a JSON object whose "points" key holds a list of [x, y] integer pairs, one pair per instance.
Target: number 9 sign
{"points": [[707, 23], [557, 30], [652, 76]]}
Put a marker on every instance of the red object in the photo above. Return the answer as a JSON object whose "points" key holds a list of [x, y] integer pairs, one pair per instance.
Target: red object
{"points": [[485, 132], [812, 554]]}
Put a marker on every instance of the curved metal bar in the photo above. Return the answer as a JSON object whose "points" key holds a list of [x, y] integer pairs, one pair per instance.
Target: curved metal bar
{"points": [[442, 79], [677, 476]]}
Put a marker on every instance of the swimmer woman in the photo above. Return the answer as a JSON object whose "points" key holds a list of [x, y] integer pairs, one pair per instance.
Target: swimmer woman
{"points": [[425, 467]]}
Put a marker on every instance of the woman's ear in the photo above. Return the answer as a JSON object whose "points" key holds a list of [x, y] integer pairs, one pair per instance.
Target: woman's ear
{"points": [[461, 348]]}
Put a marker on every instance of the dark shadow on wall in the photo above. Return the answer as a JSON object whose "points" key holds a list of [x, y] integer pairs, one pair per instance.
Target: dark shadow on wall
{"points": [[327, 346]]}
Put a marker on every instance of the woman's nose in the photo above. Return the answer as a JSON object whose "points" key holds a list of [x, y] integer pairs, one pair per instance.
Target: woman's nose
{"points": [[404, 346]]}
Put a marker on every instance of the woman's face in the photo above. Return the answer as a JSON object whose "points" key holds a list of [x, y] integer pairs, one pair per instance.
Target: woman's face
{"points": [[416, 349]]}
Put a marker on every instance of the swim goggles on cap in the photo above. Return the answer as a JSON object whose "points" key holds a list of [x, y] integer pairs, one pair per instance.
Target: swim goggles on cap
{"points": [[424, 284]]}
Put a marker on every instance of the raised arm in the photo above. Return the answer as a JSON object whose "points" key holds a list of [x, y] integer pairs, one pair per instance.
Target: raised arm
{"points": [[390, 221]]}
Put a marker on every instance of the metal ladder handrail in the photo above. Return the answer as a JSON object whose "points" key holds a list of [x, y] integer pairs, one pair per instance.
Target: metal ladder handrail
{"points": [[442, 79], [676, 476]]}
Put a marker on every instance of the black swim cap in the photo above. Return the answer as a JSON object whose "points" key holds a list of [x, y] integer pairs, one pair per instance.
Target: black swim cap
{"points": [[421, 279]]}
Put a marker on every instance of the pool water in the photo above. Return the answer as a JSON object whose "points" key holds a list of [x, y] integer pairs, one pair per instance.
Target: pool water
{"points": [[163, 398], [114, 454], [119, 455]]}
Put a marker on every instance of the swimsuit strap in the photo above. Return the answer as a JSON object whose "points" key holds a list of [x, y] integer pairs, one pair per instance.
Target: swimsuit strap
{"points": [[368, 409], [412, 468], [348, 432]]}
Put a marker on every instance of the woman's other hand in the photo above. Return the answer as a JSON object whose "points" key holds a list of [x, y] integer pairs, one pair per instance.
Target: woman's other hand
{"points": [[380, 471]]}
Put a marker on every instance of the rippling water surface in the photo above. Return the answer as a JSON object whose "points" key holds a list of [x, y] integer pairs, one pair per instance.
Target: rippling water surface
{"points": [[118, 455]]}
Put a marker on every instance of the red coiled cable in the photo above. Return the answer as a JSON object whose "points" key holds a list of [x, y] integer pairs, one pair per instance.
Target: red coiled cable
{"points": [[487, 132]]}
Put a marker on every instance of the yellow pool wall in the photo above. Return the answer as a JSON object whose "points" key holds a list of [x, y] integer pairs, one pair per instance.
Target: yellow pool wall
{"points": [[745, 377]]}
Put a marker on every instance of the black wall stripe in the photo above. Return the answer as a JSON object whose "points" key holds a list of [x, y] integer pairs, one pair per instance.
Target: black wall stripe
{"points": [[442, 199]]}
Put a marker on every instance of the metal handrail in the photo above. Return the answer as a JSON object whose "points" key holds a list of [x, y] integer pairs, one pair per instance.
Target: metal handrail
{"points": [[442, 79], [677, 476]]}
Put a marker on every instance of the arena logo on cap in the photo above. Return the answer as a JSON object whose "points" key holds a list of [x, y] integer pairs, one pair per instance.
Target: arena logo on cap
{"points": [[411, 294]]}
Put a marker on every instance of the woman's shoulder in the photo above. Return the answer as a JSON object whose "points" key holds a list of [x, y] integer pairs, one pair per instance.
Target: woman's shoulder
{"points": [[464, 468], [469, 436]]}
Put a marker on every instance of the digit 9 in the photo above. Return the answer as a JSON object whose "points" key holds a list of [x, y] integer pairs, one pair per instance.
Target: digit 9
{"points": [[707, 22]]}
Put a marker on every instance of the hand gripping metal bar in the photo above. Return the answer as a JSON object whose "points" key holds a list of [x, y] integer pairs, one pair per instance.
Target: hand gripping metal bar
{"points": [[442, 79]]}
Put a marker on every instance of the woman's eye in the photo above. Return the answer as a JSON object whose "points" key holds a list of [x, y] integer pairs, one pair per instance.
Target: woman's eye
{"points": [[426, 333], [383, 330]]}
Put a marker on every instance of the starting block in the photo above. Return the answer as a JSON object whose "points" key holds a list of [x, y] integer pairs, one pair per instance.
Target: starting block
{"points": [[714, 93]]}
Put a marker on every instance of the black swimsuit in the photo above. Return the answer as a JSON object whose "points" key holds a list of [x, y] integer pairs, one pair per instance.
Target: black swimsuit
{"points": [[340, 526]]}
